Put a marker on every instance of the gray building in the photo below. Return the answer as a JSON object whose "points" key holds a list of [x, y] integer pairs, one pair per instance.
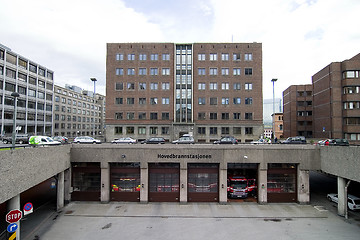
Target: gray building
{"points": [[35, 84]]}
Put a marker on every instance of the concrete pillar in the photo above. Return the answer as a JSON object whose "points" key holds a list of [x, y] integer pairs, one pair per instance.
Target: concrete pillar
{"points": [[262, 185], [183, 182], [342, 204], [303, 186], [105, 183], [67, 185], [60, 191], [223, 183], [144, 183], [14, 203]]}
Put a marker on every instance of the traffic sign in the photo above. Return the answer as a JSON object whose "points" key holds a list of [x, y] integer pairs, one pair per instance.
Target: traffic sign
{"points": [[12, 227], [14, 216], [28, 208]]}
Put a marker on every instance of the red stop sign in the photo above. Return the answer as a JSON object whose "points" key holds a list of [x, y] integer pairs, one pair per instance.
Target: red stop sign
{"points": [[13, 216]]}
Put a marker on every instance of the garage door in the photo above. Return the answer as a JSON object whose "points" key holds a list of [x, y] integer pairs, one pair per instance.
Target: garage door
{"points": [[86, 180], [125, 182], [203, 181], [164, 181], [281, 182]]}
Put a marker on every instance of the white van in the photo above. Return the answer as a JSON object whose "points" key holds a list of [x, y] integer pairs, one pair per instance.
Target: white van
{"points": [[42, 140], [353, 201]]}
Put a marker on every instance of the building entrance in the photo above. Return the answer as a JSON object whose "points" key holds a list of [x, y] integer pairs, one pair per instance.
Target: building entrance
{"points": [[125, 182], [86, 182]]}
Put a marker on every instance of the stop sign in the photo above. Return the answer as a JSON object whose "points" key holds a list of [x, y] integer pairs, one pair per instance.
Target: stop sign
{"points": [[14, 216]]}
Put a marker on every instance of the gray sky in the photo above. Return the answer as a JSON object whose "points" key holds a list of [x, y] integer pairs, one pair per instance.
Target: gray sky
{"points": [[299, 37]]}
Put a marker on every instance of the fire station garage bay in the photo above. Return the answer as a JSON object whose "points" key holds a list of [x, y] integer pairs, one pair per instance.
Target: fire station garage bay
{"points": [[191, 173]]}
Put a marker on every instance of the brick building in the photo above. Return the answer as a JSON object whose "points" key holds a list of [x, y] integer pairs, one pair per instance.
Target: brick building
{"points": [[166, 89]]}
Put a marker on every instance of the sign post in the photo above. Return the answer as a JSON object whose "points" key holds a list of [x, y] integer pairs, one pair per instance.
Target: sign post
{"points": [[28, 208]]}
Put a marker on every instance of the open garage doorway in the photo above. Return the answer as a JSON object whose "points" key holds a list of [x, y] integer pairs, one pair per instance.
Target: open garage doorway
{"points": [[242, 182]]}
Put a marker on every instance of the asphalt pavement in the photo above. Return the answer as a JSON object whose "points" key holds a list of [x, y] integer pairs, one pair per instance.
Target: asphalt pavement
{"points": [[160, 221]]}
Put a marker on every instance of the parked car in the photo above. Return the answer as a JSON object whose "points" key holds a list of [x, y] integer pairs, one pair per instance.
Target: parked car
{"points": [[154, 140], [226, 140], [42, 140], [295, 140], [61, 139], [260, 141], [353, 201], [86, 139], [127, 140], [19, 138], [185, 139]]}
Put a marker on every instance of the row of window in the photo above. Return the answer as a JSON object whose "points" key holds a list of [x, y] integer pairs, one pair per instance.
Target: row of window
{"points": [[69, 118], [29, 116], [201, 56], [351, 74], [351, 105], [142, 130], [75, 103], [225, 101], [24, 91], [22, 103], [23, 78], [75, 95], [225, 71], [352, 90], [201, 116], [76, 111], [70, 126]]}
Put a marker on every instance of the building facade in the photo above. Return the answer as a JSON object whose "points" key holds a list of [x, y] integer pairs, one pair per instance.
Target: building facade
{"points": [[278, 120], [337, 100], [298, 111], [77, 112], [34, 84], [166, 89]]}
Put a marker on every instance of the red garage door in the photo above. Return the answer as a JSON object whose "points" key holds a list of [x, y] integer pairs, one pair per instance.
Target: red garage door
{"points": [[203, 181], [86, 181], [125, 182]]}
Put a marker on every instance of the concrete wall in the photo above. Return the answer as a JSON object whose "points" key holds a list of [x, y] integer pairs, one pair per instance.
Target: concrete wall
{"points": [[24, 168]]}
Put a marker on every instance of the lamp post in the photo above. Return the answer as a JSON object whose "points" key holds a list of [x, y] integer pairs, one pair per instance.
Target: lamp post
{"points": [[93, 126], [15, 95], [273, 118]]}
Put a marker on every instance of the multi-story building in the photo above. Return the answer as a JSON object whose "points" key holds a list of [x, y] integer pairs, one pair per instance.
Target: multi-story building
{"points": [[34, 84], [166, 89], [278, 120], [77, 112], [336, 100], [298, 111]]}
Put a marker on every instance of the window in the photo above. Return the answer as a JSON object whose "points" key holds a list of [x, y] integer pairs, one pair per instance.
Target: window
{"points": [[153, 130], [154, 71], [248, 130], [165, 116], [130, 115], [165, 86], [165, 130], [237, 130], [130, 86], [248, 101], [201, 57], [201, 86], [130, 130], [201, 130], [201, 101], [248, 86], [225, 101], [236, 56], [201, 116], [213, 71], [10, 73], [248, 71], [142, 115], [248, 56], [213, 116], [118, 130], [225, 116], [165, 101], [154, 57], [236, 71], [119, 71], [153, 116], [130, 101], [142, 130], [131, 71], [237, 116], [119, 57], [213, 86], [213, 130], [213, 56], [248, 116], [225, 71], [142, 101], [237, 100], [165, 71], [118, 115], [225, 130], [153, 101], [237, 86], [201, 71], [153, 86], [225, 57], [142, 86], [131, 57], [119, 86], [166, 57], [213, 101], [225, 86], [142, 71]]}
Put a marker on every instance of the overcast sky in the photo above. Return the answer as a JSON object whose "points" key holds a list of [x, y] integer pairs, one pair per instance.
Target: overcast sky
{"points": [[299, 37]]}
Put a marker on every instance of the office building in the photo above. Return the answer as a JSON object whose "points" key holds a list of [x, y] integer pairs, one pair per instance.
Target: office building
{"points": [[204, 89], [34, 83]]}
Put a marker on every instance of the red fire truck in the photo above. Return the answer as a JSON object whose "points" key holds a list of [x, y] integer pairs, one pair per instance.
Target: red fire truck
{"points": [[240, 187]]}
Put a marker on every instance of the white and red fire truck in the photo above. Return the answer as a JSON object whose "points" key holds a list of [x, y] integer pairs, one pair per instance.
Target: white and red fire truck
{"points": [[241, 187]]}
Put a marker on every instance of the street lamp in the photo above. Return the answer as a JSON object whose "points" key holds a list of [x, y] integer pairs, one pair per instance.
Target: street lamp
{"points": [[94, 81], [273, 120], [15, 95]]}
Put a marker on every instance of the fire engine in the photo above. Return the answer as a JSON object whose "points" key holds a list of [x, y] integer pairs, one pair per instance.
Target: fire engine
{"points": [[241, 187]]}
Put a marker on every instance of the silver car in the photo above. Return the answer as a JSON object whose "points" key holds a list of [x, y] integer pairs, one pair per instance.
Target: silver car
{"points": [[86, 139], [185, 139], [127, 140]]}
